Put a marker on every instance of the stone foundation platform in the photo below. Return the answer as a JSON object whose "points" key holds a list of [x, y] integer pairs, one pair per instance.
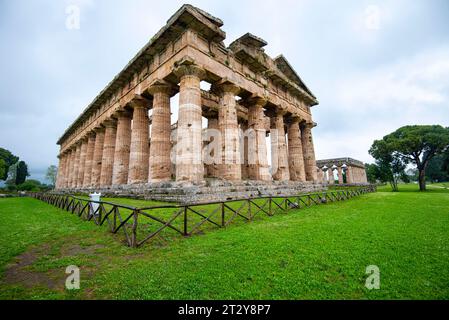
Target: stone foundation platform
{"points": [[210, 190]]}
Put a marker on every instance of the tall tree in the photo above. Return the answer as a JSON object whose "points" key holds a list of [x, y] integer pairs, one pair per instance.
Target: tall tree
{"points": [[418, 145], [52, 171], [9, 160], [22, 172], [390, 167], [3, 169]]}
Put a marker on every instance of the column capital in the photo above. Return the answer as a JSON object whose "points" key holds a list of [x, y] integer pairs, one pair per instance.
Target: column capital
{"points": [[256, 100], [294, 120], [139, 102], [187, 67], [122, 113], [99, 128], [162, 86], [309, 125], [225, 85], [111, 122]]}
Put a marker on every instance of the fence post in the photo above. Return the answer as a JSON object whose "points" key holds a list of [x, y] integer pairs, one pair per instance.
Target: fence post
{"points": [[134, 229], [222, 214], [186, 233]]}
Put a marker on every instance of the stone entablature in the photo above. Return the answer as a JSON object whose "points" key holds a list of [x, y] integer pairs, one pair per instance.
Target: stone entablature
{"points": [[190, 49]]}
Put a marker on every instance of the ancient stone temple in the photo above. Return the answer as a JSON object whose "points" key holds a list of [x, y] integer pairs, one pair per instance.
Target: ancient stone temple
{"points": [[126, 141], [341, 171]]}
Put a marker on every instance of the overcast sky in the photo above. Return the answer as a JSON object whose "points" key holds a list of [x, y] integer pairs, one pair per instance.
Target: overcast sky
{"points": [[373, 65]]}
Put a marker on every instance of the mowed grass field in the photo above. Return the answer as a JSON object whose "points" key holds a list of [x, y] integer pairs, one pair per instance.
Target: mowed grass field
{"points": [[316, 253]]}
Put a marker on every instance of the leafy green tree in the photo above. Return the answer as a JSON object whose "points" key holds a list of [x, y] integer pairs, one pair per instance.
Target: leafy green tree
{"points": [[372, 172], [30, 185], [22, 172], [418, 145], [390, 166], [9, 160], [3, 169], [435, 171], [52, 171]]}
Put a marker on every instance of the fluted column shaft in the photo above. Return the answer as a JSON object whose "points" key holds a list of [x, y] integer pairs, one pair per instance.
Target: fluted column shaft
{"points": [[189, 164], [139, 152], [59, 172], [71, 168], [295, 152], [122, 148], [279, 158], [98, 156], [82, 163], [212, 149], [230, 167], [244, 150], [309, 152], [257, 147], [89, 159], [331, 175], [76, 166], [159, 162], [340, 175], [107, 161]]}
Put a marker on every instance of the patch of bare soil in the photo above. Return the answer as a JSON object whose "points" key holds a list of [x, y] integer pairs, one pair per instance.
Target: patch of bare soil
{"points": [[19, 272]]}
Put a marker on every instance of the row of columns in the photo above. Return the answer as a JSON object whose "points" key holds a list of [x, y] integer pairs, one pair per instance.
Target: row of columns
{"points": [[119, 151], [353, 174]]}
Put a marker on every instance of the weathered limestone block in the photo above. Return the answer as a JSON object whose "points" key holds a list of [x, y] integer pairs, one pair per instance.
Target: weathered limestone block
{"points": [[139, 153], [230, 167], [349, 175], [89, 159], [279, 158], [122, 148], [257, 148], [98, 155], [309, 152], [295, 152], [189, 164], [107, 161], [159, 162]]}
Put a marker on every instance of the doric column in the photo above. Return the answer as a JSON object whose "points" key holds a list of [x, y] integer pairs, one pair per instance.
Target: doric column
{"points": [[122, 148], [279, 158], [295, 153], [308, 151], [230, 167], [212, 147], [65, 171], [159, 161], [77, 165], [82, 163], [71, 167], [107, 161], [330, 175], [257, 147], [98, 155], [59, 172], [340, 175], [349, 174], [89, 159], [138, 156], [189, 164], [244, 150]]}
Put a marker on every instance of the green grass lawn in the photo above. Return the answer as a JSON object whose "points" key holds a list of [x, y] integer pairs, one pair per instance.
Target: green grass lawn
{"points": [[315, 253]]}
